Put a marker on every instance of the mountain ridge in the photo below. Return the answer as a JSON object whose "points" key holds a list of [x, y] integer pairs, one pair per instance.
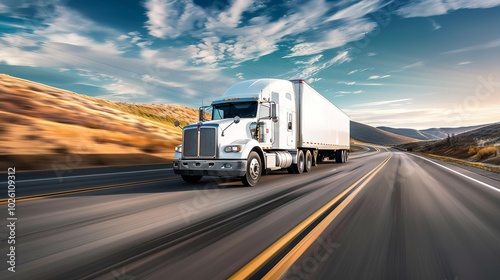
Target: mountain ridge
{"points": [[431, 133]]}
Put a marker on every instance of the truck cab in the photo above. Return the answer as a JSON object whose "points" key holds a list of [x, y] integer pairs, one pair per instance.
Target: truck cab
{"points": [[253, 129]]}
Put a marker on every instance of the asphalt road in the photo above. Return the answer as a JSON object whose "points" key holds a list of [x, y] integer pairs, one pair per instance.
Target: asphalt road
{"points": [[390, 215]]}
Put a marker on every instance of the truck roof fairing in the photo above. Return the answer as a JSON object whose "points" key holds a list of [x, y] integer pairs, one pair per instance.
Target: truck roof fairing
{"points": [[253, 90]]}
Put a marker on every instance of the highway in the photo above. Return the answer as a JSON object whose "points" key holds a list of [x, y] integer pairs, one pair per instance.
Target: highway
{"points": [[385, 214]]}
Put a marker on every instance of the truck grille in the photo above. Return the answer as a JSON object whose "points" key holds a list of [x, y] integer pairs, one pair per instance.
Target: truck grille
{"points": [[203, 145]]}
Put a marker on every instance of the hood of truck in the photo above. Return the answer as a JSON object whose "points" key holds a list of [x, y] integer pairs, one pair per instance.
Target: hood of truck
{"points": [[234, 131]]}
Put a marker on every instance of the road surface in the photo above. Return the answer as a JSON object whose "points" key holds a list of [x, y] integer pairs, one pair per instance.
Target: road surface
{"points": [[385, 214]]}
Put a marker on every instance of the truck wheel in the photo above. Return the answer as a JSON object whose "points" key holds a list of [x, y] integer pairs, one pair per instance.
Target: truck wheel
{"points": [[339, 156], [309, 161], [191, 178], [253, 173], [299, 166], [346, 155]]}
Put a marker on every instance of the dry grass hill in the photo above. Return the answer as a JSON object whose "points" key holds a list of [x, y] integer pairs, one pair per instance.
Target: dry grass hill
{"points": [[480, 145], [45, 128]]}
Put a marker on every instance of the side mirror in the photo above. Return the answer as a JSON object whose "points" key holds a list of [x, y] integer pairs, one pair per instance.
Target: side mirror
{"points": [[253, 130], [177, 123], [236, 119], [274, 112]]}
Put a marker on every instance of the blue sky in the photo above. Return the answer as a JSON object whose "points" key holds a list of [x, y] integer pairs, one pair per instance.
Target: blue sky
{"points": [[419, 64]]}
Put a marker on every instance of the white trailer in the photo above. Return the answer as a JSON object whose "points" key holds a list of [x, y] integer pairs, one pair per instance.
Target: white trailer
{"points": [[263, 125], [323, 127]]}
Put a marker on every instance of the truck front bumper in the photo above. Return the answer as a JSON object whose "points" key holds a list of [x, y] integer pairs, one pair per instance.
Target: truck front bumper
{"points": [[219, 167]]}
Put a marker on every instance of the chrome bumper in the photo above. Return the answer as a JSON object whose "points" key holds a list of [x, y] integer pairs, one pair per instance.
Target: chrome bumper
{"points": [[219, 167]]}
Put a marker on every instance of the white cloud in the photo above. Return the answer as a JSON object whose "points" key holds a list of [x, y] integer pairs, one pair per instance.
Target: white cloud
{"points": [[313, 66], [376, 77], [220, 37], [413, 65], [65, 20], [371, 54], [359, 84], [313, 80], [155, 74], [349, 92], [122, 37], [311, 61], [435, 25], [426, 8], [359, 70], [3, 8], [357, 10], [171, 18], [122, 87], [379, 103], [16, 40], [346, 83], [335, 38], [232, 17], [488, 45], [409, 66], [464, 63]]}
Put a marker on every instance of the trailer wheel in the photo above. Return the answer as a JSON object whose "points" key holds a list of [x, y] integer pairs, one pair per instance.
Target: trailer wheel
{"points": [[309, 161], [339, 156], [346, 155], [191, 178], [253, 173]]}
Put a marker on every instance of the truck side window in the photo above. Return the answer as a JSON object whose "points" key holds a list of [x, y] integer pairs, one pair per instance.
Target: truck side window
{"points": [[289, 121]]}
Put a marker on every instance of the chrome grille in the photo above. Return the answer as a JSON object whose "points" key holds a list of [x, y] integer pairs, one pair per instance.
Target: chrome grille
{"points": [[190, 145], [207, 140], [206, 143]]}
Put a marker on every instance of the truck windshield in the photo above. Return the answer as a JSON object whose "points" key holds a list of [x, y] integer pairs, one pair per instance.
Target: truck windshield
{"points": [[230, 110]]}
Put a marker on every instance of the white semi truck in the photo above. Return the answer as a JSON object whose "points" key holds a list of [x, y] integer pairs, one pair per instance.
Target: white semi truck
{"points": [[263, 125]]}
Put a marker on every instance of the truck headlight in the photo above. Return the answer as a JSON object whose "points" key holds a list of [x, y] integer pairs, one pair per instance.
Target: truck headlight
{"points": [[232, 149], [178, 149]]}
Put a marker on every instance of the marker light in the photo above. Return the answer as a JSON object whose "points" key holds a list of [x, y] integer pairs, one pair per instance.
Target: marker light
{"points": [[232, 149]]}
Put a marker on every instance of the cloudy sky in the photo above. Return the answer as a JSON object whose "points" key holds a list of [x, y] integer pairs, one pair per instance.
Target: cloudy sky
{"points": [[419, 64]]}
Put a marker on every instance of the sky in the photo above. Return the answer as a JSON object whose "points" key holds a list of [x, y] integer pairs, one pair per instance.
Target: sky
{"points": [[415, 64]]}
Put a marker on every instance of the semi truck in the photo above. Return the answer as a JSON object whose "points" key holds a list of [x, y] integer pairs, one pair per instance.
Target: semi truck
{"points": [[259, 126]]}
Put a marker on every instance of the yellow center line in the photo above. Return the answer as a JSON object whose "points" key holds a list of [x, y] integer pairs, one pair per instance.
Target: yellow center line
{"points": [[77, 191], [277, 271]]}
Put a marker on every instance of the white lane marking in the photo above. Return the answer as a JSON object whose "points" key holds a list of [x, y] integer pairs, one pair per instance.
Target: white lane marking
{"points": [[91, 175], [463, 175]]}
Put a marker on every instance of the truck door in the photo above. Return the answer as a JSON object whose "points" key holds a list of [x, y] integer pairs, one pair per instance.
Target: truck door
{"points": [[284, 129]]}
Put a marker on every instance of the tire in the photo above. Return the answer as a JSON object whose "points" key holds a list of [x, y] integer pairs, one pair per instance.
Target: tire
{"points": [[346, 155], [308, 161], [191, 178], [254, 170], [298, 168], [339, 156]]}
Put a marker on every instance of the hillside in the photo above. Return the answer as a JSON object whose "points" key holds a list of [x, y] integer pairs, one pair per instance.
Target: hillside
{"points": [[43, 127], [479, 145], [370, 134], [430, 133], [409, 132]]}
